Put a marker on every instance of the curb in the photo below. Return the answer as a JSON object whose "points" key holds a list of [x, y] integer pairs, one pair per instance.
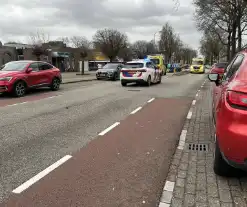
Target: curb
{"points": [[78, 81]]}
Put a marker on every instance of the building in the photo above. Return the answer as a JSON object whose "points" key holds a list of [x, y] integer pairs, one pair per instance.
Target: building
{"points": [[55, 52]]}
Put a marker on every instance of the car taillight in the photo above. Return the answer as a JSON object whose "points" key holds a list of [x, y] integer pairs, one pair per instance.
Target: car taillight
{"points": [[237, 98]]}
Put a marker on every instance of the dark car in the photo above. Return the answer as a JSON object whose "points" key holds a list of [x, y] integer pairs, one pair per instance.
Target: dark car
{"points": [[111, 71]]}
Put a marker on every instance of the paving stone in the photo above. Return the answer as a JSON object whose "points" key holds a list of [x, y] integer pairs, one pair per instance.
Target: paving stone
{"points": [[239, 202], [180, 182], [226, 205], [179, 192], [182, 173], [166, 197], [201, 196], [183, 166], [214, 202], [212, 191], [225, 196], [201, 204], [189, 200], [190, 189], [176, 202]]}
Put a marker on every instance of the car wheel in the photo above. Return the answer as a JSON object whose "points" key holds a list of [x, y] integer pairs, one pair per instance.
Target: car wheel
{"points": [[55, 85], [19, 89], [115, 77], [148, 83], [221, 167], [123, 83]]}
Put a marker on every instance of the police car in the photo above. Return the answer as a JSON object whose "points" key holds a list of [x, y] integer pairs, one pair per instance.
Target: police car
{"points": [[141, 71]]}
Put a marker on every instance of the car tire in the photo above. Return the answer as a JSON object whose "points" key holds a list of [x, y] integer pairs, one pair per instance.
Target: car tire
{"points": [[148, 83], [55, 85], [221, 167], [123, 83], [19, 89], [115, 77]]}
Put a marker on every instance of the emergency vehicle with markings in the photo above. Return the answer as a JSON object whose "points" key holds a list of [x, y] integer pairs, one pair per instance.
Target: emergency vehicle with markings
{"points": [[141, 71]]}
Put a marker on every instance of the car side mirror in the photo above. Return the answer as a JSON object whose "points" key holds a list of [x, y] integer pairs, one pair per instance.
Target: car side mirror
{"points": [[213, 77], [29, 70]]}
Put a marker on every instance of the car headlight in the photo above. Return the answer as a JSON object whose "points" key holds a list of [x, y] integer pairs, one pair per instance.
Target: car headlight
{"points": [[6, 79]]}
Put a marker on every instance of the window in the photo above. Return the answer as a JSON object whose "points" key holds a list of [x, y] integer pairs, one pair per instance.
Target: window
{"points": [[110, 66], [199, 62], [44, 66], [14, 66], [156, 61], [34, 66], [133, 65], [232, 69], [221, 65], [149, 65]]}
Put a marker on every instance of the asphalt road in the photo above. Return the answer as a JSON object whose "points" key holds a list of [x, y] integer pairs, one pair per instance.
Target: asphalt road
{"points": [[40, 131]]}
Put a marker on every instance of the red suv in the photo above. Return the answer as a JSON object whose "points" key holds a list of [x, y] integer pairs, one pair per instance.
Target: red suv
{"points": [[230, 117], [17, 77]]}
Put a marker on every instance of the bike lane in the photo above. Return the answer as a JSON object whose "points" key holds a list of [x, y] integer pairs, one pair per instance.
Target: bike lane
{"points": [[126, 166]]}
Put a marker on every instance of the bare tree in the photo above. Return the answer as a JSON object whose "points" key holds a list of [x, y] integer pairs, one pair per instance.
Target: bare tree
{"points": [[110, 42], [143, 48], [65, 40], [80, 42], [224, 18], [38, 40], [39, 37]]}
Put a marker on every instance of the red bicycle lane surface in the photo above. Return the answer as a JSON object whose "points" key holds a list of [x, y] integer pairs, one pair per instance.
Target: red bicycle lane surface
{"points": [[125, 167], [8, 101]]}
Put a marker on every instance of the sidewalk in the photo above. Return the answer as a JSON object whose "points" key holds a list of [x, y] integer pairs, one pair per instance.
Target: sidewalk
{"points": [[74, 77], [191, 180]]}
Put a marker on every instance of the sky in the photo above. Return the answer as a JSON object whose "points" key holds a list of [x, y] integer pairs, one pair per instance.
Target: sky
{"points": [[139, 19]]}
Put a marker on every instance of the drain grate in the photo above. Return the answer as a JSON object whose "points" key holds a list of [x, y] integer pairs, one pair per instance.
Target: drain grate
{"points": [[198, 147]]}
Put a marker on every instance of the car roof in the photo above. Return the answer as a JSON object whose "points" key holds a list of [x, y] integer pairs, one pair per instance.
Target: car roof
{"points": [[137, 61], [29, 61]]}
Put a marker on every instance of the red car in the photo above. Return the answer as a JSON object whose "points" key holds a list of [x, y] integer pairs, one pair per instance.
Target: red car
{"points": [[230, 117], [17, 77], [219, 68]]}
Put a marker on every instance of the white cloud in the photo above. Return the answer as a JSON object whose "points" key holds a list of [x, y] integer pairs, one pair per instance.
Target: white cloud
{"points": [[140, 19]]}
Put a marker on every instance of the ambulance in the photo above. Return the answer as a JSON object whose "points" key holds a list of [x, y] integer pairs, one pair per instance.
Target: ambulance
{"points": [[198, 65], [158, 60]]}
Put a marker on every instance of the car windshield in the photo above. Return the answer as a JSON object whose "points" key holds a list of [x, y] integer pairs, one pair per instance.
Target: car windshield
{"points": [[155, 61], [133, 65], [110, 66], [221, 65], [13, 66], [197, 62]]}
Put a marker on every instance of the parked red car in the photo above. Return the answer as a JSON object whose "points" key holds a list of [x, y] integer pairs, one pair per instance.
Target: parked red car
{"points": [[230, 117], [219, 68], [17, 77]]}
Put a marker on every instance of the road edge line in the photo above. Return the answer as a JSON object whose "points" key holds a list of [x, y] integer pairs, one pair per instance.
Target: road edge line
{"points": [[40, 175], [109, 128], [136, 110]]}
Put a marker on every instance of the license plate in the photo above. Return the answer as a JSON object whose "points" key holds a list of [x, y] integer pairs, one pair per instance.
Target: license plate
{"points": [[102, 75]]}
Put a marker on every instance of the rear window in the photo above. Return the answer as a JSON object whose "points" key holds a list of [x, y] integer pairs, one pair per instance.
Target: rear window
{"points": [[221, 65], [133, 65], [155, 61]]}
